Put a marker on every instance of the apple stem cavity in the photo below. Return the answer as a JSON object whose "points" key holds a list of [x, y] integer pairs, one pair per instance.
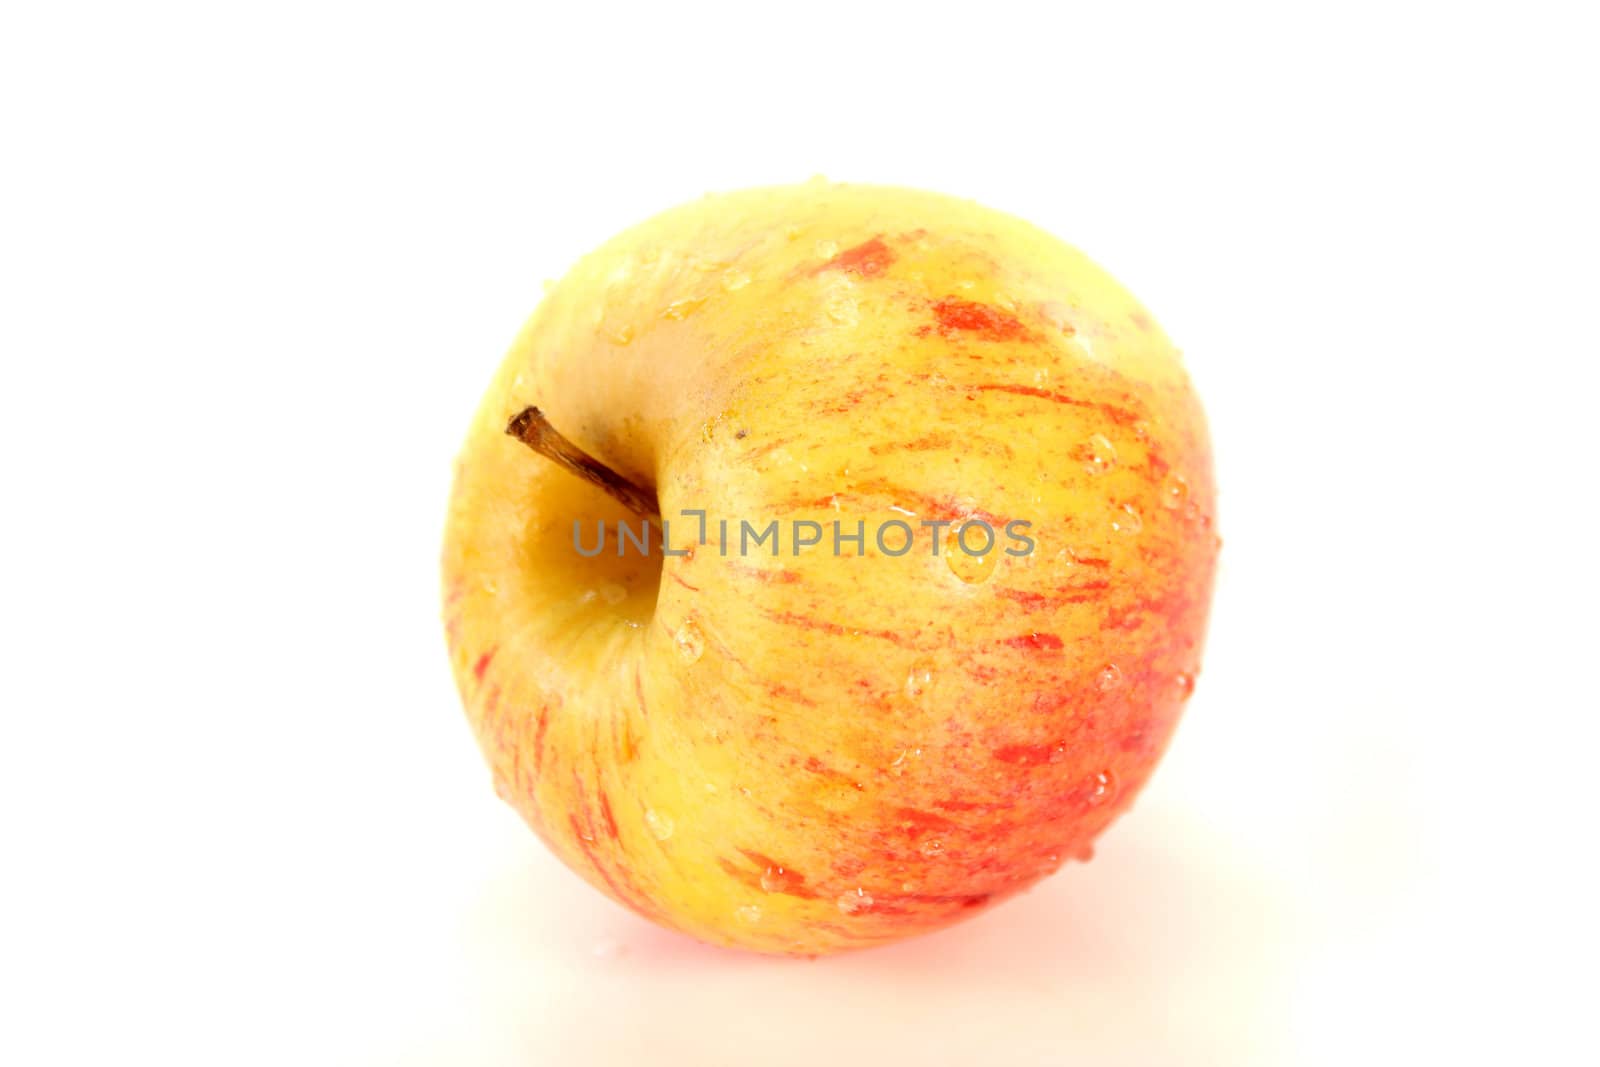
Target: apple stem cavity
{"points": [[534, 430]]}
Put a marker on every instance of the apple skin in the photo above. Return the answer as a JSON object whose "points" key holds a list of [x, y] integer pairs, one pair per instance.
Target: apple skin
{"points": [[812, 753]]}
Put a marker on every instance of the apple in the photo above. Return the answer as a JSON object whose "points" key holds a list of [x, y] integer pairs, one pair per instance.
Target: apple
{"points": [[801, 746]]}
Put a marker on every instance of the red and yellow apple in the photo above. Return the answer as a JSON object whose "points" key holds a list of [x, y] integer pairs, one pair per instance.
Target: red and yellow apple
{"points": [[840, 744]]}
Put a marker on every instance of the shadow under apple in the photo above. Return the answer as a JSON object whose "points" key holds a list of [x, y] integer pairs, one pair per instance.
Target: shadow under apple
{"points": [[1170, 946]]}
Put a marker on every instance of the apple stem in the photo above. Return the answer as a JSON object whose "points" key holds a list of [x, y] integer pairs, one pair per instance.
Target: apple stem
{"points": [[534, 430]]}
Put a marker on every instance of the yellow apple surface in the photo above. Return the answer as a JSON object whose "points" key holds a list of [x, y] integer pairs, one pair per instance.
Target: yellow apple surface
{"points": [[803, 748]]}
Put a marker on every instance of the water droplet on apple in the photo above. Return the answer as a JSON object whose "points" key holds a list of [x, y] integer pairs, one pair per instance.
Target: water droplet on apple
{"points": [[750, 913], [1102, 455], [661, 825], [920, 679], [613, 594], [932, 848], [780, 880], [1174, 491], [622, 335], [502, 789], [679, 310], [971, 569], [854, 901], [735, 280], [1102, 789], [1125, 520], [1084, 853], [903, 760], [690, 642], [1110, 678], [1057, 315], [619, 276], [843, 310], [1185, 683]]}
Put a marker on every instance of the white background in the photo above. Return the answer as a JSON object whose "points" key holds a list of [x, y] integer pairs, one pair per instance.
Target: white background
{"points": [[257, 264]]}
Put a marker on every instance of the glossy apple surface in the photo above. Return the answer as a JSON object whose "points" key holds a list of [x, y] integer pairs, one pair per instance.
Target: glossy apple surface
{"points": [[810, 752]]}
